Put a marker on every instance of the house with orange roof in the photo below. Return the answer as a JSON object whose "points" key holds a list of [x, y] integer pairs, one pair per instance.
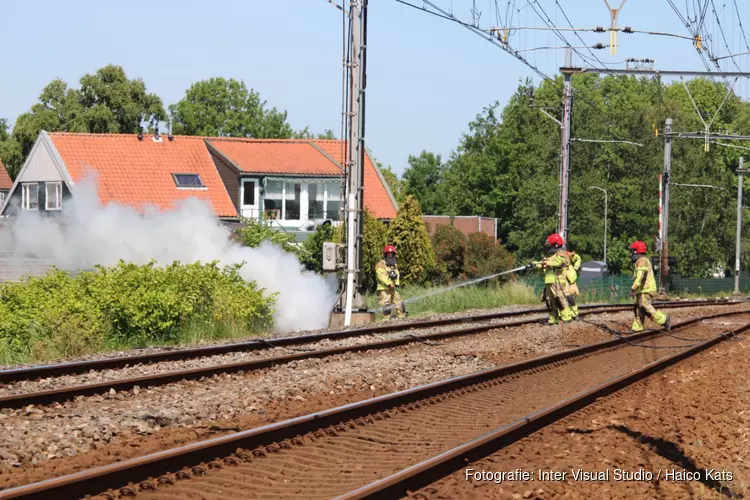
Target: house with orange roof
{"points": [[295, 182], [5, 183]]}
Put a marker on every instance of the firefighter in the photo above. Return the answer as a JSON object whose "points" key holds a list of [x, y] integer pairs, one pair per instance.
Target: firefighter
{"points": [[388, 280], [572, 276], [555, 280], [643, 289]]}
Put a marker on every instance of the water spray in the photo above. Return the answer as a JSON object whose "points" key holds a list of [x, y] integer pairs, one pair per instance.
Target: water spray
{"points": [[458, 285]]}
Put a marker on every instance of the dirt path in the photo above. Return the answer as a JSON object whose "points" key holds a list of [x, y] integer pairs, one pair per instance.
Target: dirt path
{"points": [[677, 425]]}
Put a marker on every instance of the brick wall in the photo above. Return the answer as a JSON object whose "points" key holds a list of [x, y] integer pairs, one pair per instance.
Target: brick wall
{"points": [[466, 225]]}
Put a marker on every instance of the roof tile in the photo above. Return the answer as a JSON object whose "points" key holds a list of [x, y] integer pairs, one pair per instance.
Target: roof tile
{"points": [[139, 173], [5, 182], [300, 157]]}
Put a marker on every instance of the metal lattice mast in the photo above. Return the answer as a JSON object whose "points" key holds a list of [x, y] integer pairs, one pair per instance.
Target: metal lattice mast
{"points": [[355, 118]]}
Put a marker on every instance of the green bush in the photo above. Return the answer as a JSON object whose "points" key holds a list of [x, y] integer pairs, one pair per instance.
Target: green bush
{"points": [[58, 315], [408, 233], [256, 232], [312, 249], [450, 249], [485, 256], [374, 239]]}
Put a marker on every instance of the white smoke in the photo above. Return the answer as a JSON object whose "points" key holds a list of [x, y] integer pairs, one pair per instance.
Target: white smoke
{"points": [[88, 233]]}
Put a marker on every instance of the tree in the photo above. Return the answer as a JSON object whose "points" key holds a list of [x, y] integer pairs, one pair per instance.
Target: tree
{"points": [[422, 179], [221, 107], [408, 233], [374, 239], [305, 133], [394, 184], [107, 102], [449, 245], [312, 249], [485, 256]]}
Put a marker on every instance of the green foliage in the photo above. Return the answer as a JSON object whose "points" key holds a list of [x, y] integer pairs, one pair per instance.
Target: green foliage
{"points": [[312, 249], [507, 165], [221, 107], [394, 184], [422, 179], [374, 239], [305, 133], [256, 232], [408, 233], [449, 245], [464, 298], [485, 256], [107, 102], [60, 315]]}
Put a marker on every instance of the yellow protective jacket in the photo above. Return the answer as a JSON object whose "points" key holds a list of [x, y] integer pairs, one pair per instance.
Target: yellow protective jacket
{"points": [[555, 267], [643, 277], [575, 265], [382, 270]]}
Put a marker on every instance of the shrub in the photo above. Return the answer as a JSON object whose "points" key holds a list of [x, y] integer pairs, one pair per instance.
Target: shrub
{"points": [[312, 249], [408, 233], [373, 241], [256, 232], [485, 256], [449, 245], [59, 315]]}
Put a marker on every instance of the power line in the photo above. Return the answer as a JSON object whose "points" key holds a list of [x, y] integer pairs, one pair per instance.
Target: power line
{"points": [[723, 35], [450, 17]]}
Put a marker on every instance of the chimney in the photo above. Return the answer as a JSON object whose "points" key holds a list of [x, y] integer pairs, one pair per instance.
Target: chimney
{"points": [[140, 132], [157, 137], [170, 136]]}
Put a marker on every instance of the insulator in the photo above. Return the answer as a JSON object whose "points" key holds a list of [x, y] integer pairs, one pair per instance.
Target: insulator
{"points": [[599, 29], [627, 29]]}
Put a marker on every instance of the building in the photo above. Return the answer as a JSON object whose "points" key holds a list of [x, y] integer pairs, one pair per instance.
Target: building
{"points": [[5, 182], [466, 224], [295, 182]]}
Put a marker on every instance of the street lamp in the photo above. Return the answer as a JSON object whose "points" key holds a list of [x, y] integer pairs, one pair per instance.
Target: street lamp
{"points": [[605, 219]]}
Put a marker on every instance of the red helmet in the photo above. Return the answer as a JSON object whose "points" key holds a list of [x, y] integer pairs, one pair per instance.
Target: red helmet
{"points": [[555, 240], [638, 247], [389, 249]]}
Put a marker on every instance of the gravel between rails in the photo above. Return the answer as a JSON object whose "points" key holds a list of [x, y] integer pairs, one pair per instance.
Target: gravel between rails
{"points": [[112, 427], [267, 336], [145, 369], [691, 417]]}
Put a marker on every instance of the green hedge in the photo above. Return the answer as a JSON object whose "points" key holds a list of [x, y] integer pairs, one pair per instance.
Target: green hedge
{"points": [[125, 305]]}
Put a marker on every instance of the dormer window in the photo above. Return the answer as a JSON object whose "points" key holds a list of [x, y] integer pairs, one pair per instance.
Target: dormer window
{"points": [[188, 181]]}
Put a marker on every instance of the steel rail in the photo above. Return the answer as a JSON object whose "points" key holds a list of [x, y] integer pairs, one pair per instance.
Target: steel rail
{"points": [[437, 467], [68, 393], [141, 471], [78, 367]]}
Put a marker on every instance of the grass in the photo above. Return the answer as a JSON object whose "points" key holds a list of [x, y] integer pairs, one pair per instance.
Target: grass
{"points": [[464, 298], [66, 345]]}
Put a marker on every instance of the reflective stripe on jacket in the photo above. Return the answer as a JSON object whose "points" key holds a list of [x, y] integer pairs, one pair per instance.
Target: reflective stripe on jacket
{"points": [[554, 267], [643, 277], [382, 271]]}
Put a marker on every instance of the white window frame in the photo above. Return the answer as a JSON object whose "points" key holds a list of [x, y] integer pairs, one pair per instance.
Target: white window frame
{"points": [[254, 209], [2, 197], [304, 211], [57, 193], [25, 205]]}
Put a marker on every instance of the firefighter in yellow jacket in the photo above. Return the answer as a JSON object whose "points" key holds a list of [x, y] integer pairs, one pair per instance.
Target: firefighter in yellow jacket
{"points": [[388, 280], [643, 289], [555, 280], [571, 272]]}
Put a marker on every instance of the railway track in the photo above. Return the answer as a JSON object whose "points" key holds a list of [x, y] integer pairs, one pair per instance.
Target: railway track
{"points": [[15, 395], [384, 446]]}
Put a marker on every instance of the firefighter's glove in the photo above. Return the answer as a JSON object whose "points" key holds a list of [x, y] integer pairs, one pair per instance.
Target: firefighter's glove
{"points": [[631, 294], [392, 275]]}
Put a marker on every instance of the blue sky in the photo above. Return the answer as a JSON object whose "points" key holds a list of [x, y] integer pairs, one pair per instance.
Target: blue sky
{"points": [[427, 78]]}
